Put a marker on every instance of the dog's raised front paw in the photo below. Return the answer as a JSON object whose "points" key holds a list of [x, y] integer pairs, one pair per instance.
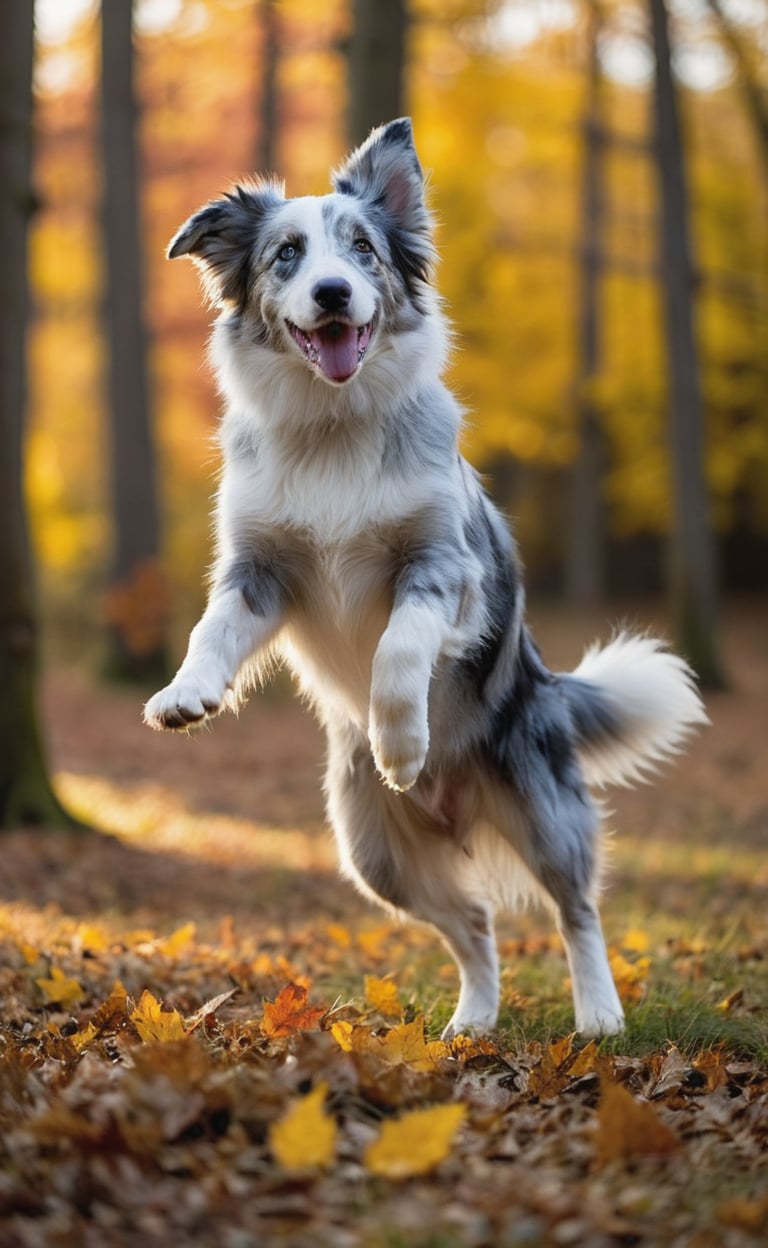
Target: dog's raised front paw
{"points": [[182, 704], [399, 742]]}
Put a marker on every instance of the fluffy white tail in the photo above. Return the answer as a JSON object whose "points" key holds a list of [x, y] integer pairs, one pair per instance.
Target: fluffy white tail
{"points": [[634, 705]]}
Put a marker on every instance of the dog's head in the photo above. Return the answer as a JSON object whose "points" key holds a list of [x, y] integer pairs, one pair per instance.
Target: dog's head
{"points": [[320, 279]]}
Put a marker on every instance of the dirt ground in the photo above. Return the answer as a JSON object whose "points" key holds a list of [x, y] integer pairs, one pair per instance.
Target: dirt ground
{"points": [[259, 776]]}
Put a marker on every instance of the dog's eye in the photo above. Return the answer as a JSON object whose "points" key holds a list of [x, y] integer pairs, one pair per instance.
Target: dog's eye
{"points": [[362, 245], [287, 252]]}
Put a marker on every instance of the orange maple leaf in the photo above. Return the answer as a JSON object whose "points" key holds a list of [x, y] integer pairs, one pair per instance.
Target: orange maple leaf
{"points": [[290, 1012]]}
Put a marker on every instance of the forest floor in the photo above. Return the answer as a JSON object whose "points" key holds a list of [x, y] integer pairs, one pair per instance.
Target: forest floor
{"points": [[207, 1038]]}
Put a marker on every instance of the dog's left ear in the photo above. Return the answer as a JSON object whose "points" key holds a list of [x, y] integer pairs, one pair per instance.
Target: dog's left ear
{"points": [[385, 172], [221, 238]]}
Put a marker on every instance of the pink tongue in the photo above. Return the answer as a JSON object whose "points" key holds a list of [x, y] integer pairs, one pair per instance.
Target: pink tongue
{"points": [[337, 347]]}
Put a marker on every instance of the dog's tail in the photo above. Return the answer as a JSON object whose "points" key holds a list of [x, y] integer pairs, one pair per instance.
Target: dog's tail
{"points": [[633, 704]]}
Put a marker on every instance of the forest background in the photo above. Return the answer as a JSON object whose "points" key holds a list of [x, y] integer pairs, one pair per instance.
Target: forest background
{"points": [[206, 1037], [536, 124]]}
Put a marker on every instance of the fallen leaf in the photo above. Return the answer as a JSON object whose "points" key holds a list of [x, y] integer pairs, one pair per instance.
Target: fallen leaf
{"points": [[381, 995], [290, 1012], [306, 1137], [415, 1143], [60, 989], [630, 1128], [178, 941], [210, 1007], [629, 977], [726, 1005], [154, 1023]]}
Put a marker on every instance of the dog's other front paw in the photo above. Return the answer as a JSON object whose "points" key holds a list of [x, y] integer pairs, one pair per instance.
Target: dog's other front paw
{"points": [[399, 742], [183, 703]]}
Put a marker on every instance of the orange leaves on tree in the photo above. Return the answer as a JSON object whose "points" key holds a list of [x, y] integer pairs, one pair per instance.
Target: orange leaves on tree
{"points": [[290, 1012], [630, 1128], [416, 1142], [305, 1138], [59, 989], [153, 1023]]}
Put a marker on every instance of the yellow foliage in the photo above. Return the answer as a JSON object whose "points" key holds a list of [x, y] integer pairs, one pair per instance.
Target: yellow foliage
{"points": [[415, 1143], [306, 1137]]}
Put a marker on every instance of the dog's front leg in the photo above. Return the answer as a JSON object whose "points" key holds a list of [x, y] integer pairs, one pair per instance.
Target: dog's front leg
{"points": [[421, 628], [236, 623]]}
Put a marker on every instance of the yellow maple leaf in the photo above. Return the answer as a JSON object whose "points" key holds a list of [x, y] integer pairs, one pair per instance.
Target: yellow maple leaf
{"points": [[154, 1023], [406, 1043], [60, 989], [305, 1138], [381, 995], [415, 1143]]}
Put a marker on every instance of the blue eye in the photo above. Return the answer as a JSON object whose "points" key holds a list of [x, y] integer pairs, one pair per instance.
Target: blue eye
{"points": [[287, 252]]}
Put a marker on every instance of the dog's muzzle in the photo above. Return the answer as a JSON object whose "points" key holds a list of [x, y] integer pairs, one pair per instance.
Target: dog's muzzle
{"points": [[336, 348]]}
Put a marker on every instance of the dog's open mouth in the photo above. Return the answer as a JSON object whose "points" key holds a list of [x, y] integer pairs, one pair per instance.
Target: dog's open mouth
{"points": [[335, 348]]}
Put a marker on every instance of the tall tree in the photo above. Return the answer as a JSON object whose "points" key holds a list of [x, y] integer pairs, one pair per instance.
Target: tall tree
{"points": [[376, 65], [26, 796], [691, 557], [136, 612], [584, 540], [266, 148]]}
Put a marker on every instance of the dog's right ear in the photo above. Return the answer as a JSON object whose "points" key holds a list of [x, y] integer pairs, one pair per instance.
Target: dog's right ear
{"points": [[221, 238]]}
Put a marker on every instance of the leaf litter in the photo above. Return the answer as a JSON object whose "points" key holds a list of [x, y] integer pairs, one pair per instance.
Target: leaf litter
{"points": [[200, 1046]]}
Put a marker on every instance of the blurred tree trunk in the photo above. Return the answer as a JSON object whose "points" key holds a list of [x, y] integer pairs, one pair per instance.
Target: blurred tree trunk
{"points": [[692, 576], [748, 83], [376, 65], [585, 536], [26, 796], [266, 149], [136, 606]]}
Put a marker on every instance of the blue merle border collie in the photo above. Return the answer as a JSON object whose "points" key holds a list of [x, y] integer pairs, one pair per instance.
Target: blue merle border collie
{"points": [[355, 544]]}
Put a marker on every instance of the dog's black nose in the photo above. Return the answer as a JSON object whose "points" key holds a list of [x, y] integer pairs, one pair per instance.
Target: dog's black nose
{"points": [[333, 294]]}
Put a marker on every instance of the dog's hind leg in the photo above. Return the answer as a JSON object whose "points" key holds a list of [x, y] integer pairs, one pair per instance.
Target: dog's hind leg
{"points": [[556, 836], [397, 855]]}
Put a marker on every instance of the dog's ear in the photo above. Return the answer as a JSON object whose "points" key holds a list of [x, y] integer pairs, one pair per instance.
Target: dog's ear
{"points": [[221, 238], [385, 172]]}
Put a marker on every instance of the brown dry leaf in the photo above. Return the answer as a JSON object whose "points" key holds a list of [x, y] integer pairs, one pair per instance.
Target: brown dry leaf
{"points": [[290, 1012], [727, 1004], [209, 1008], [630, 1128], [155, 1024], [306, 1137], [747, 1213], [415, 1143]]}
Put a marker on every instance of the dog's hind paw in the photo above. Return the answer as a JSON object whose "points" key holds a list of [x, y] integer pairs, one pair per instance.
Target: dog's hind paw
{"points": [[182, 704]]}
